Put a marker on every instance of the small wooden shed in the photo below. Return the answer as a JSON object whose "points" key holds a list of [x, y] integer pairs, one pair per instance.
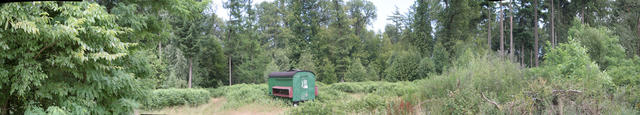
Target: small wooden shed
{"points": [[299, 85]]}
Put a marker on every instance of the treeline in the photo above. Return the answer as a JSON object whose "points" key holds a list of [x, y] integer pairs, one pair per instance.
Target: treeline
{"points": [[101, 56]]}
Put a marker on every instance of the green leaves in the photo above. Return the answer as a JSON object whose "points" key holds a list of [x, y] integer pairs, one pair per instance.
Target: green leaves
{"points": [[356, 72], [26, 26], [68, 54], [601, 45]]}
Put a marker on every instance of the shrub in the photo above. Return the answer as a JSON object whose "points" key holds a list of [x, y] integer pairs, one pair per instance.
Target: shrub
{"points": [[327, 94], [216, 92], [426, 67], [403, 66], [326, 72], [174, 97], [367, 103], [601, 44], [629, 95], [627, 73], [571, 62], [241, 94], [356, 72], [459, 90], [314, 108]]}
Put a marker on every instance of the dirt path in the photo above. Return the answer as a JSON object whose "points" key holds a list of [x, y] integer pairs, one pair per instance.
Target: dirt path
{"points": [[214, 107]]}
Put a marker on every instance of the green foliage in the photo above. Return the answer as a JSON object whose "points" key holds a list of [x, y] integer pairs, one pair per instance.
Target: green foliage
{"points": [[176, 69], [459, 19], [313, 108], [480, 73], [216, 92], [251, 71], [211, 66], [342, 97], [441, 58], [628, 94], [242, 94], [458, 90], [378, 88], [281, 58], [306, 62], [426, 67], [367, 103], [356, 72], [425, 11], [627, 73], [572, 61], [161, 98], [603, 48], [468, 88], [326, 72], [601, 45], [403, 66], [88, 58], [69, 54]]}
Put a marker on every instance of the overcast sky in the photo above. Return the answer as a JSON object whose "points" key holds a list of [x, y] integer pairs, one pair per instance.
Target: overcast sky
{"points": [[384, 8]]}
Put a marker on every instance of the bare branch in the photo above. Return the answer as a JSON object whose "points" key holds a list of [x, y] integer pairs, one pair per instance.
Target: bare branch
{"points": [[490, 101]]}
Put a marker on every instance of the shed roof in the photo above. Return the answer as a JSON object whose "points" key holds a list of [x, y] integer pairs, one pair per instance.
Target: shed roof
{"points": [[287, 74]]}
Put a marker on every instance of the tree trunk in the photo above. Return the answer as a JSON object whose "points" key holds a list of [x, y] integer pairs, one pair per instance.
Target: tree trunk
{"points": [[4, 101], [582, 15], [190, 71], [511, 47], [535, 29], [522, 55], [489, 30], [531, 58], [553, 34], [638, 26], [230, 83], [501, 34]]}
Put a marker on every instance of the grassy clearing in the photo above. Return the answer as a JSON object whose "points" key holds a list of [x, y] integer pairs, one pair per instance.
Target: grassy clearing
{"points": [[476, 84]]}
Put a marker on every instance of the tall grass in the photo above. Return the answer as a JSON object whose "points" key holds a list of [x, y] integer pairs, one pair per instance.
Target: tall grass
{"points": [[174, 97], [242, 94]]}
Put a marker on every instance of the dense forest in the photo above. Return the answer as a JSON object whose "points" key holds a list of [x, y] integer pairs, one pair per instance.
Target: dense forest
{"points": [[107, 56]]}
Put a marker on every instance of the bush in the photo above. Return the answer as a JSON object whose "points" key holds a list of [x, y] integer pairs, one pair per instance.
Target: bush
{"points": [[367, 103], [216, 92], [356, 72], [601, 44], [403, 66], [328, 94], [241, 94], [627, 73], [326, 72], [174, 97], [376, 87], [459, 90], [571, 62], [314, 108]]}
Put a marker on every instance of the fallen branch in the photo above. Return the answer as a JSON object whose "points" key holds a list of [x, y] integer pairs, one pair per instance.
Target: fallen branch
{"points": [[566, 91], [492, 102]]}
